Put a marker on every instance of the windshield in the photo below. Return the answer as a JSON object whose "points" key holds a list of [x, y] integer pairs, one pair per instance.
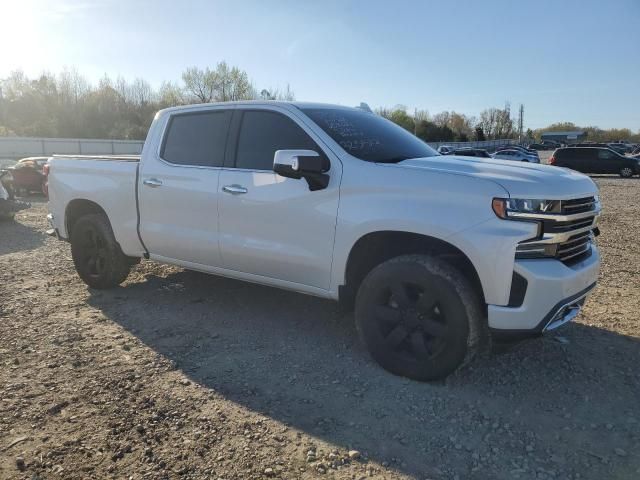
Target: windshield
{"points": [[368, 136]]}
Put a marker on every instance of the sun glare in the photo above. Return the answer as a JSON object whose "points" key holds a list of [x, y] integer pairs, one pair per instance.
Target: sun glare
{"points": [[22, 35]]}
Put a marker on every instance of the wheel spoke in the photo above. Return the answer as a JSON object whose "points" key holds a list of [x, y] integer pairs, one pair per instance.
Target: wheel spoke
{"points": [[91, 265], [100, 260], [91, 244], [396, 336], [399, 294], [387, 314], [426, 303], [434, 328], [419, 345]]}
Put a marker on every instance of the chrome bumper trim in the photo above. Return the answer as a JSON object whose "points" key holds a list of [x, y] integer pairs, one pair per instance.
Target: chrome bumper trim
{"points": [[566, 312]]}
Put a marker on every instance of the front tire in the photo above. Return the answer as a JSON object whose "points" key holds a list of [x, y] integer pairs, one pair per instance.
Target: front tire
{"points": [[419, 317], [96, 255]]}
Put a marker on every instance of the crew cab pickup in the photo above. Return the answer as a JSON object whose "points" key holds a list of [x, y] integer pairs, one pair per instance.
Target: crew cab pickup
{"points": [[435, 253]]}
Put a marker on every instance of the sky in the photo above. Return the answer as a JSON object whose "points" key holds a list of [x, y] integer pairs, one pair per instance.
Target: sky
{"points": [[565, 60]]}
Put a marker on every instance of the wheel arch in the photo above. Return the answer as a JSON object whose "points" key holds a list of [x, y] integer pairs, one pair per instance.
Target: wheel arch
{"points": [[78, 208], [376, 247]]}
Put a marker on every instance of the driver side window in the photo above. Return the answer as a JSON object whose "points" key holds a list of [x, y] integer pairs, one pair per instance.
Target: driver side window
{"points": [[262, 133]]}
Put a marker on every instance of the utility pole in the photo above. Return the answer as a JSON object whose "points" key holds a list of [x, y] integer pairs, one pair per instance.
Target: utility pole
{"points": [[520, 123], [415, 122]]}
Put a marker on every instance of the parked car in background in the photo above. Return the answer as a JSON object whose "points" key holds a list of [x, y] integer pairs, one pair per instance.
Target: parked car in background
{"points": [[529, 151], [445, 149], [595, 160], [471, 152], [551, 144], [538, 146], [620, 147], [516, 155], [8, 204], [28, 175]]}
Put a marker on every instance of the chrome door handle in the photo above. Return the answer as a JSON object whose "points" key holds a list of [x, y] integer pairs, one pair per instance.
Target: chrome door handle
{"points": [[152, 182], [234, 189]]}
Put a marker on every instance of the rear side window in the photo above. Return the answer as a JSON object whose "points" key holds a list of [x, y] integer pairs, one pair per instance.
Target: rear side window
{"points": [[196, 138], [565, 154], [262, 133]]}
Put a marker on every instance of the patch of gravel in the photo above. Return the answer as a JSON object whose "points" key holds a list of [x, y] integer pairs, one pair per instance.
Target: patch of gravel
{"points": [[182, 375]]}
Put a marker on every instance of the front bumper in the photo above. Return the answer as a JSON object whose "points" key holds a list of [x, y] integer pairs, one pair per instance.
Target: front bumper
{"points": [[554, 295], [53, 231]]}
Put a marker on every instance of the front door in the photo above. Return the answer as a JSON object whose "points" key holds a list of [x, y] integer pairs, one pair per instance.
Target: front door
{"points": [[178, 188], [270, 225], [608, 161]]}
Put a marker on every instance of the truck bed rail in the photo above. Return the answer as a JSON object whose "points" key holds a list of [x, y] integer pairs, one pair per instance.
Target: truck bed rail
{"points": [[113, 158]]}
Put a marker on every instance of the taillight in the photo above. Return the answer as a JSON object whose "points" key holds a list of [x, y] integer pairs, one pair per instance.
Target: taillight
{"points": [[552, 160], [45, 169]]}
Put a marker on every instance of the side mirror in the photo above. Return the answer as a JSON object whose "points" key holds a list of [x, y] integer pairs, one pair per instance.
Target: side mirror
{"points": [[306, 164]]}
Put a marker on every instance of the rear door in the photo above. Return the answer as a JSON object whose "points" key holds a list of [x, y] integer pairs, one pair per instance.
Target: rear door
{"points": [[270, 225], [583, 160], [178, 187]]}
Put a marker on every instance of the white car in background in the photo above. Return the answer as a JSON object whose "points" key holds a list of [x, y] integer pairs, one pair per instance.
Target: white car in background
{"points": [[516, 155]]}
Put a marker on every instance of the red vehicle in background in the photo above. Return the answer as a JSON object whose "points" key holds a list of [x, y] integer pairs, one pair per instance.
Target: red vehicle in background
{"points": [[28, 176]]}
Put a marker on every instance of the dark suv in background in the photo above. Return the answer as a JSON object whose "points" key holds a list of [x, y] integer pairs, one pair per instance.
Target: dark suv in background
{"points": [[595, 160]]}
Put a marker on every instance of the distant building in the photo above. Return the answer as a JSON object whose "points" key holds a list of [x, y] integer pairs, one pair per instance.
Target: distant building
{"points": [[564, 137]]}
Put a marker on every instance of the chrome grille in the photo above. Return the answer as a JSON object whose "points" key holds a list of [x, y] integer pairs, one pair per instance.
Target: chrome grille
{"points": [[578, 205], [574, 248], [552, 226], [567, 232]]}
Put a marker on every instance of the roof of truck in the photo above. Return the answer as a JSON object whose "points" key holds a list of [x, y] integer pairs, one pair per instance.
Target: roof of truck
{"points": [[300, 105]]}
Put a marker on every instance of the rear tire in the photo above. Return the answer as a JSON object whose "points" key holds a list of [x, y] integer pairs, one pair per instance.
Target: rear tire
{"points": [[96, 255], [626, 172], [419, 317]]}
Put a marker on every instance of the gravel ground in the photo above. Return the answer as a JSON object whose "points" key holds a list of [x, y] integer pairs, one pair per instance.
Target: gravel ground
{"points": [[182, 375]]}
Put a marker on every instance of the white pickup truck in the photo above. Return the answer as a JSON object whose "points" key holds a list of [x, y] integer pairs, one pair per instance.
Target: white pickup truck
{"points": [[436, 253]]}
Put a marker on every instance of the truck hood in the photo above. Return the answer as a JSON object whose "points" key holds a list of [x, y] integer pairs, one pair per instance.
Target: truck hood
{"points": [[520, 179]]}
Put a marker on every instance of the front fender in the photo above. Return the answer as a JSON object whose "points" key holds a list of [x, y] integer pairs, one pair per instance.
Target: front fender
{"points": [[449, 207]]}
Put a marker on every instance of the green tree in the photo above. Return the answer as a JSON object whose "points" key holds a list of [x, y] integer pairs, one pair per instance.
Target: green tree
{"points": [[402, 118]]}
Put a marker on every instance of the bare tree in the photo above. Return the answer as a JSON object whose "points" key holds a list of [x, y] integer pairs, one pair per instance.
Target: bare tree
{"points": [[275, 94], [170, 94], [421, 115], [221, 85], [72, 86], [200, 84], [237, 85], [141, 93], [488, 119]]}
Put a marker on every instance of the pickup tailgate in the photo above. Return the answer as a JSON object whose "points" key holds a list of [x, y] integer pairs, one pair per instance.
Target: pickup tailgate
{"points": [[106, 182]]}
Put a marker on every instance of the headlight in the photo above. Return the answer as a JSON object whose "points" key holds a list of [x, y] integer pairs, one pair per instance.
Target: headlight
{"points": [[503, 207]]}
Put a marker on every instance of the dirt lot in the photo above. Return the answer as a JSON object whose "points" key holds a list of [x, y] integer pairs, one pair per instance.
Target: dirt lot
{"points": [[182, 375]]}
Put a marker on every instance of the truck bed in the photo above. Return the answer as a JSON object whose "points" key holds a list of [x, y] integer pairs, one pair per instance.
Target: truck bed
{"points": [[108, 181]]}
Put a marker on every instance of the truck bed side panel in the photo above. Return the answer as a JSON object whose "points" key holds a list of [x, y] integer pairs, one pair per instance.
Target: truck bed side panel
{"points": [[111, 184]]}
